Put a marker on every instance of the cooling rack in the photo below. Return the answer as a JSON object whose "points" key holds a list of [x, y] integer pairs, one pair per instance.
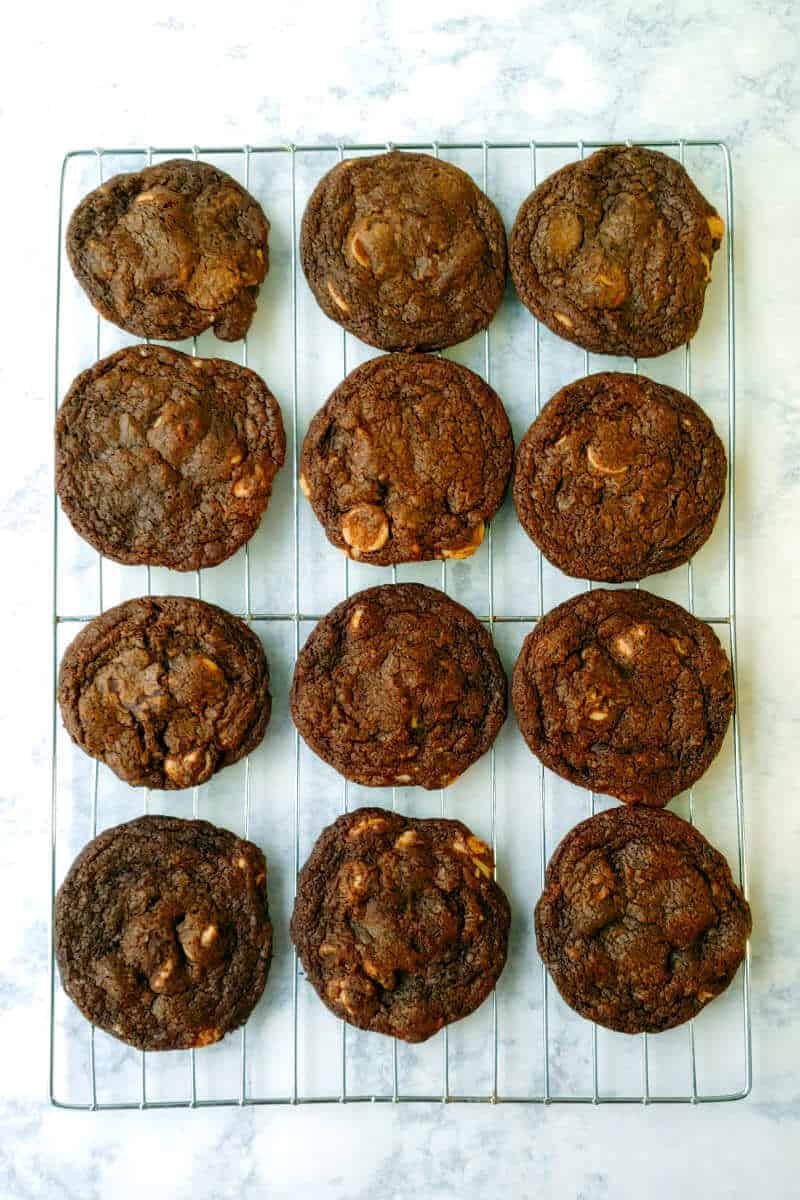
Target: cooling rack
{"points": [[523, 1045]]}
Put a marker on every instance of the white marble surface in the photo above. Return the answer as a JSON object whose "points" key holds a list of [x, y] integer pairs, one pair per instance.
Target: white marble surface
{"points": [[78, 76]]}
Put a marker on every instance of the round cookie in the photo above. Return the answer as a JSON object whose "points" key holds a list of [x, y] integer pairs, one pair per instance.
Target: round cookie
{"points": [[165, 690], [614, 252], [640, 924], [619, 477], [399, 685], [162, 932], [166, 459], [407, 460], [398, 922], [171, 250], [624, 693], [404, 250]]}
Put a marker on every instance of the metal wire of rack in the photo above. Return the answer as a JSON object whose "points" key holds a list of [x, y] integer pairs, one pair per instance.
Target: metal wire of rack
{"points": [[395, 1092]]}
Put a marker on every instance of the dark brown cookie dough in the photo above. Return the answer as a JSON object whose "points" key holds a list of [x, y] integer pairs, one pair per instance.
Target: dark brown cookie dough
{"points": [[162, 932], [619, 478], [171, 250], [165, 690], [404, 250], [398, 922], [166, 459], [624, 693], [640, 923], [407, 460], [399, 685], [615, 252]]}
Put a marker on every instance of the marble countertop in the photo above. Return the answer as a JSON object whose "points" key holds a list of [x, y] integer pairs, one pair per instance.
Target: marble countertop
{"points": [[364, 71]]}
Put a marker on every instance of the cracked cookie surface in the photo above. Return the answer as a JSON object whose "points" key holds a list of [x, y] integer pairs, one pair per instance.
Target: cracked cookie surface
{"points": [[614, 252], [399, 685], [166, 459], [407, 460], [619, 477], [624, 693], [171, 250], [398, 922], [404, 250], [165, 690], [640, 924], [162, 932]]}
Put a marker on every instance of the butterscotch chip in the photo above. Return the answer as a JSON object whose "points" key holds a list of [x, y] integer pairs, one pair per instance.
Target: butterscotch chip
{"points": [[662, 935], [614, 252], [160, 939], [408, 459], [619, 477], [603, 698], [404, 250], [399, 685], [423, 942], [171, 250], [136, 692], [165, 459]]}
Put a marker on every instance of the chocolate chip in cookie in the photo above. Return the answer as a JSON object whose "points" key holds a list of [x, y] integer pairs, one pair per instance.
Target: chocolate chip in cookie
{"points": [[165, 459], [171, 250], [404, 250], [640, 924], [408, 460], [162, 932], [399, 923], [624, 693], [399, 685], [165, 690], [619, 477], [614, 252]]}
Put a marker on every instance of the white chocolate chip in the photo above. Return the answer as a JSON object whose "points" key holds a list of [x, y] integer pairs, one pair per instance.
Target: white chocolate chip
{"points": [[466, 551], [597, 463], [338, 299], [356, 617], [598, 714], [564, 320], [305, 487], [409, 838], [365, 528], [208, 935], [377, 824], [716, 227]]}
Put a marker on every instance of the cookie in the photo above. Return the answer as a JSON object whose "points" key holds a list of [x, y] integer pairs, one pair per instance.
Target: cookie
{"points": [[162, 932], [619, 477], [407, 460], [166, 459], [624, 693], [171, 250], [398, 922], [165, 690], [640, 924], [614, 252], [399, 685], [404, 250]]}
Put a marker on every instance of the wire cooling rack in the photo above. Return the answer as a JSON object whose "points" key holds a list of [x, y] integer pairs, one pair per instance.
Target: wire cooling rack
{"points": [[524, 1045]]}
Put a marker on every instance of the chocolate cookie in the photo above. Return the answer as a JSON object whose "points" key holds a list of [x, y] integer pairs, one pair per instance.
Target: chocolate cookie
{"points": [[170, 251], [619, 478], [399, 685], [165, 690], [614, 252], [398, 922], [407, 460], [404, 250], [640, 923], [162, 932], [624, 693], [166, 459]]}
